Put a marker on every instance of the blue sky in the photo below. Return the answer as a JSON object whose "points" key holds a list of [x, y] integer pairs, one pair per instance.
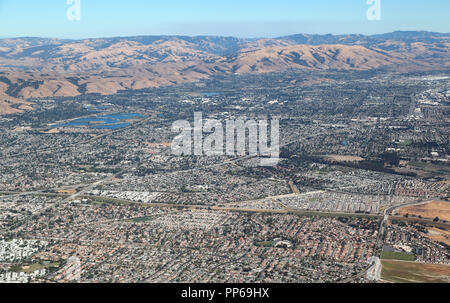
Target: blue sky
{"points": [[241, 18]]}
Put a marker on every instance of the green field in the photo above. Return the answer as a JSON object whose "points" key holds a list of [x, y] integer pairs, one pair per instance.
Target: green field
{"points": [[33, 267], [406, 143], [141, 219], [410, 272], [264, 243], [390, 255]]}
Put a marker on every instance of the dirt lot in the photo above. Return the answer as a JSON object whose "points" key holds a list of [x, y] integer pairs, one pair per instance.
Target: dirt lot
{"points": [[429, 211], [340, 158], [410, 272], [439, 235]]}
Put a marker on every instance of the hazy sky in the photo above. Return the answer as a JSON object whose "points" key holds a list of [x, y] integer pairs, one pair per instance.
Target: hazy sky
{"points": [[241, 18]]}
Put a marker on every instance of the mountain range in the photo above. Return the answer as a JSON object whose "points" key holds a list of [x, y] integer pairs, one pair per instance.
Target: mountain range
{"points": [[43, 67]]}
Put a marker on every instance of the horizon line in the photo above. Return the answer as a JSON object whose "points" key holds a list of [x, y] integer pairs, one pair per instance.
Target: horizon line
{"points": [[223, 36]]}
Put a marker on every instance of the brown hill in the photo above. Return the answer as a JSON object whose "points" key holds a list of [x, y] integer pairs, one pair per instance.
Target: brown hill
{"points": [[35, 68]]}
